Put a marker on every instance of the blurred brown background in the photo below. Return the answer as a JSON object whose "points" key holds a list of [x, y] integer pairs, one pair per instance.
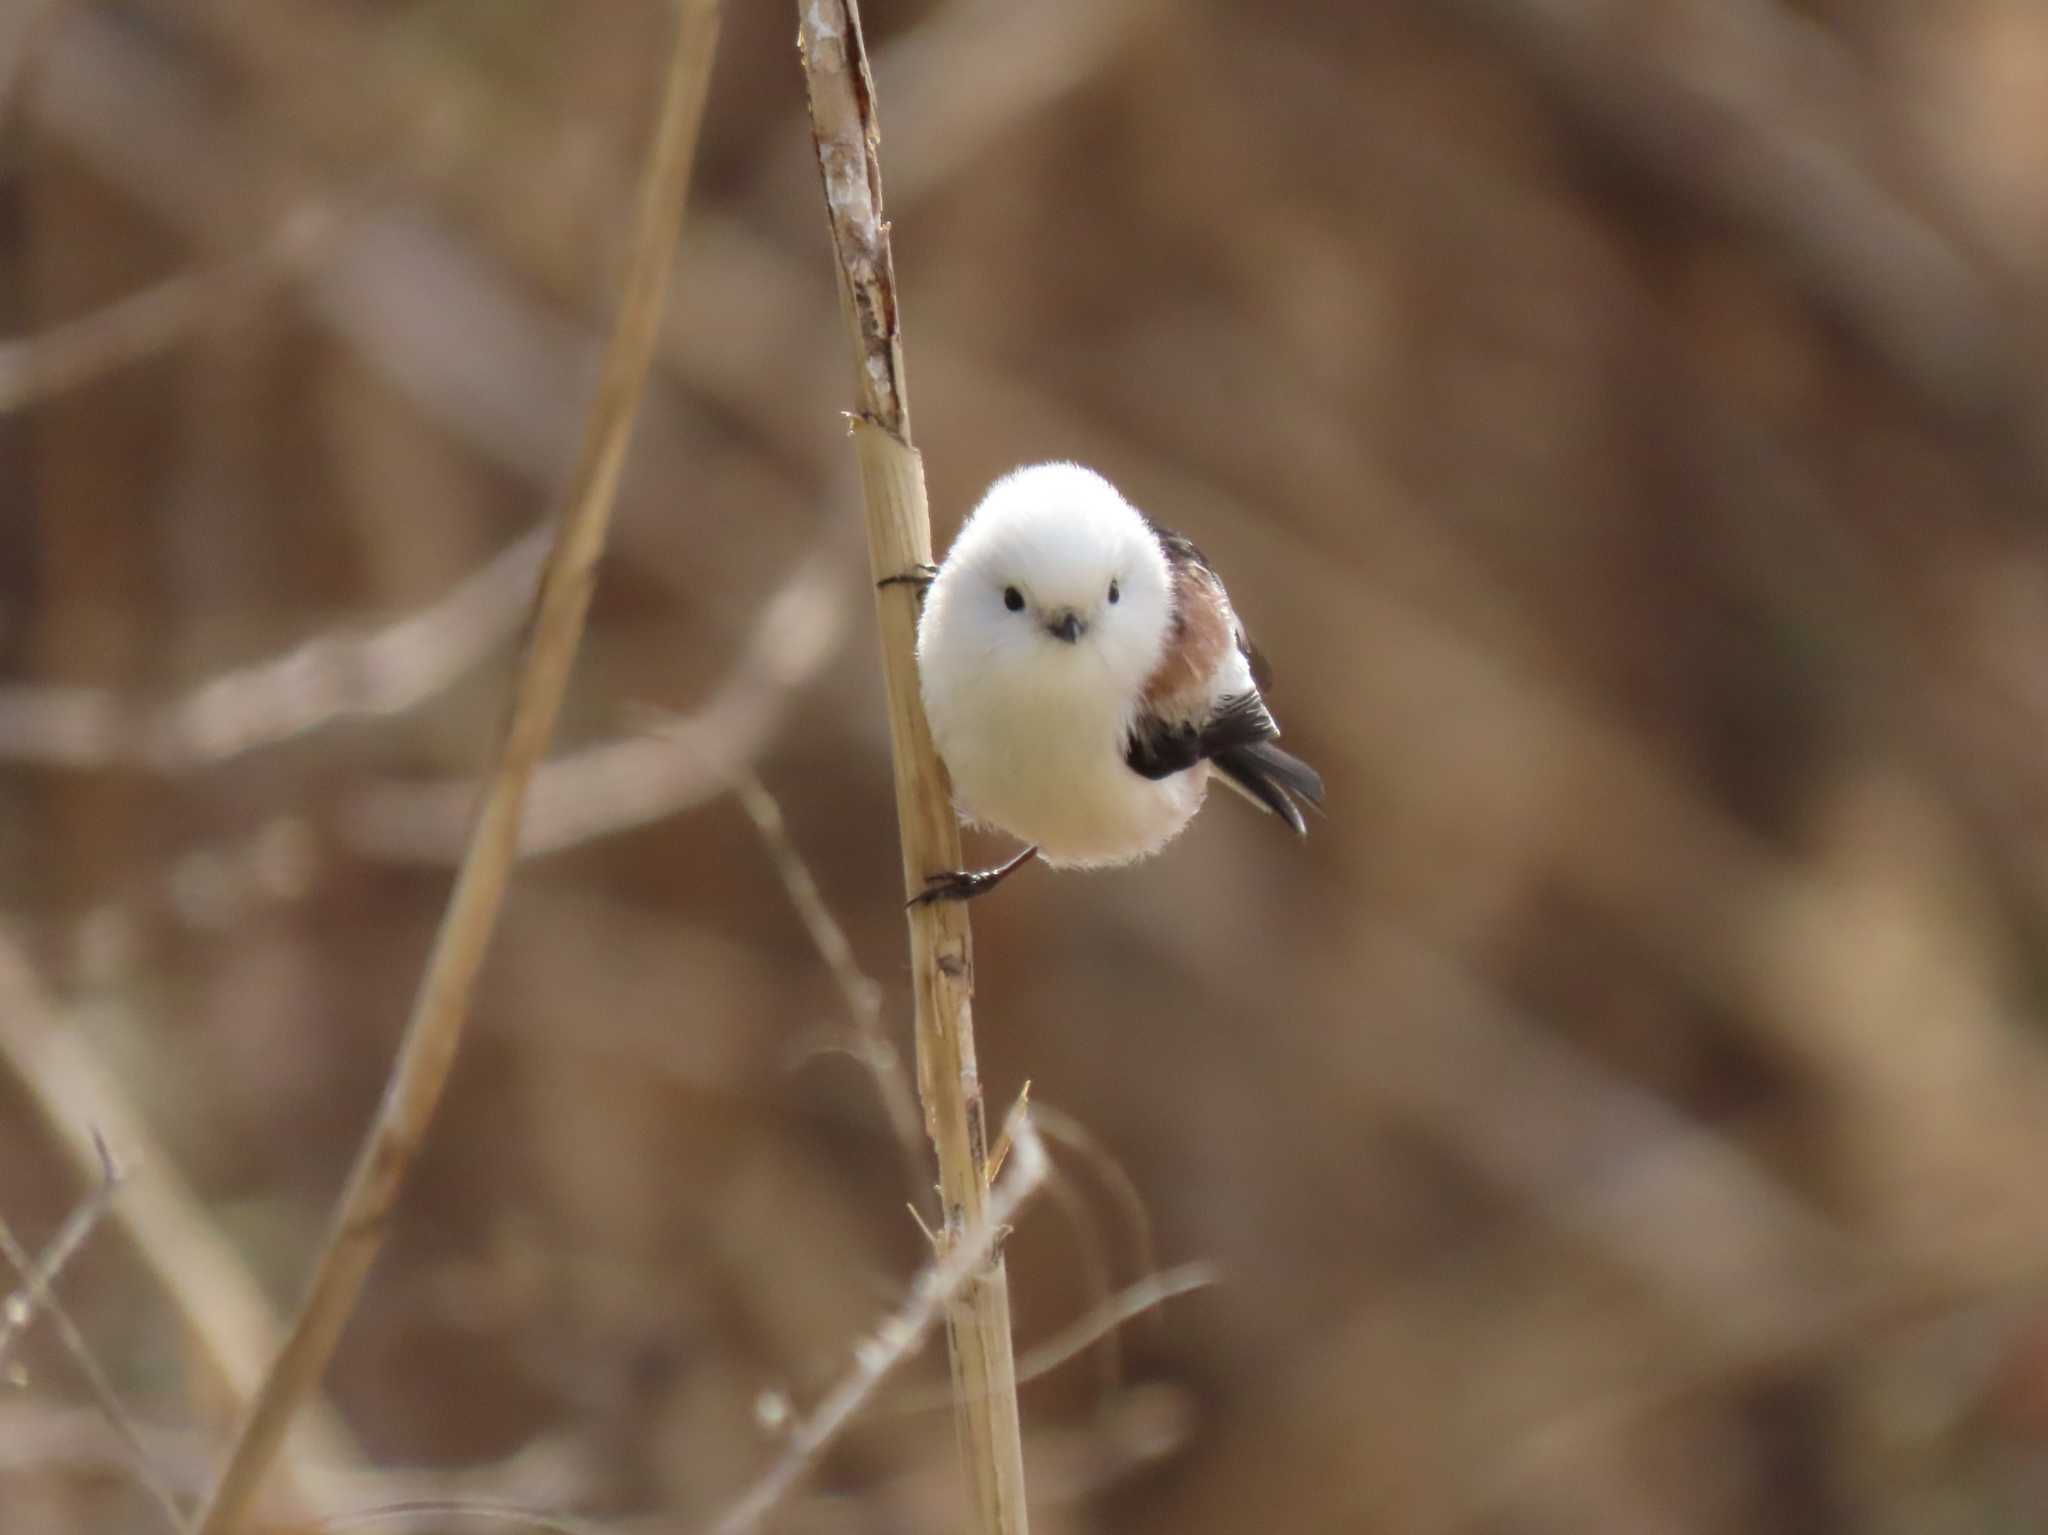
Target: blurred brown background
{"points": [[1623, 426]]}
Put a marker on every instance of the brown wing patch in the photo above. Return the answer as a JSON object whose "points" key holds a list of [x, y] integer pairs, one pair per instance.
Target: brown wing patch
{"points": [[1203, 631]]}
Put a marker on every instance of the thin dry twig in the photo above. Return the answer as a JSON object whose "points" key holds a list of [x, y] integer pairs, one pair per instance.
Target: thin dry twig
{"points": [[1103, 1321], [841, 97], [858, 990], [1064, 1129], [1092, 1326], [38, 1274], [335, 676], [38, 1292], [442, 1006], [219, 1303], [897, 1338]]}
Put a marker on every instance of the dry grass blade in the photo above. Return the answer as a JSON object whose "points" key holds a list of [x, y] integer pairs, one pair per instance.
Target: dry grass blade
{"points": [[843, 128], [899, 1336], [442, 1005]]}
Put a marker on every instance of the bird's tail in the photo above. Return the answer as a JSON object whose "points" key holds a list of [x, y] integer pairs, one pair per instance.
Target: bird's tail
{"points": [[1272, 779]]}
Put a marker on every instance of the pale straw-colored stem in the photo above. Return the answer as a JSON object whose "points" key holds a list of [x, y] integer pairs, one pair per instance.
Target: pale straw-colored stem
{"points": [[443, 1002], [941, 958]]}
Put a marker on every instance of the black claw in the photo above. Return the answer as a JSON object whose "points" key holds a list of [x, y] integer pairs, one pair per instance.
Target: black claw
{"points": [[965, 884], [919, 576]]}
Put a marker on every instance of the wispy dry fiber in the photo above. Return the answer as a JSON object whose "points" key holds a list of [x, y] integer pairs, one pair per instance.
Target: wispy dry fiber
{"points": [[442, 1005], [899, 539]]}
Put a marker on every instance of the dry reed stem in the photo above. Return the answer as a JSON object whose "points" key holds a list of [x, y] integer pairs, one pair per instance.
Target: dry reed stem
{"points": [[841, 96], [936, 1288], [442, 1005]]}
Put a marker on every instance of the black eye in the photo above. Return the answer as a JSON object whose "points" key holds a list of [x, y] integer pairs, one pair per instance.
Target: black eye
{"points": [[1114, 594], [1013, 599]]}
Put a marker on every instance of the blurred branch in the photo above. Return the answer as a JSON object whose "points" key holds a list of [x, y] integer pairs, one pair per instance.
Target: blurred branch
{"points": [[941, 71], [334, 676], [221, 1306], [24, 28], [393, 287], [599, 791], [38, 1292], [428, 1049], [1750, 113], [135, 328], [971, 1251], [843, 127], [1748, 1266], [391, 284]]}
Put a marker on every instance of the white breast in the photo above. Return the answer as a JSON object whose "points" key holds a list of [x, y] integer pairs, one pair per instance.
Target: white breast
{"points": [[1050, 769]]}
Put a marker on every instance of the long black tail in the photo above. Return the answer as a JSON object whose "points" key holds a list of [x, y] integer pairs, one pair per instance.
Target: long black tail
{"points": [[1270, 778]]}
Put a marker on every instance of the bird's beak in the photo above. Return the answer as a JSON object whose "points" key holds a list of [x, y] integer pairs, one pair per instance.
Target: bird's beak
{"points": [[1065, 625]]}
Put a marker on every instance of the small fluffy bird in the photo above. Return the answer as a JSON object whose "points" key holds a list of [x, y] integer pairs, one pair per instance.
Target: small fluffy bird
{"points": [[1085, 676]]}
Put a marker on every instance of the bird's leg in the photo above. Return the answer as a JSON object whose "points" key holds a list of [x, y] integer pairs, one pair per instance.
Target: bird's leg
{"points": [[964, 884], [919, 576]]}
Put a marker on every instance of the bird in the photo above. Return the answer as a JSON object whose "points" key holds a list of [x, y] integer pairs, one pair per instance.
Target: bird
{"points": [[1086, 677]]}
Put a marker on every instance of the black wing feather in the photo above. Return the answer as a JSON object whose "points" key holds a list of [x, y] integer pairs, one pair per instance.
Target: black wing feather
{"points": [[1160, 748]]}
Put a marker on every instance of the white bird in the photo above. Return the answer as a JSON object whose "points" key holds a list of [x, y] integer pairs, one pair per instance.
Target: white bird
{"points": [[1085, 675]]}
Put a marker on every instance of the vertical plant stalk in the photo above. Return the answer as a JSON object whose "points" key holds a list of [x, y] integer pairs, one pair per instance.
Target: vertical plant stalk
{"points": [[442, 1005], [842, 105]]}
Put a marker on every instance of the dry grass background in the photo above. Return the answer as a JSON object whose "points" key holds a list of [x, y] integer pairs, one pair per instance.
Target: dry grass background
{"points": [[1623, 425]]}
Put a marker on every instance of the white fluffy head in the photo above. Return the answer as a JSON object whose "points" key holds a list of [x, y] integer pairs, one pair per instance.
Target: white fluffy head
{"points": [[1055, 585]]}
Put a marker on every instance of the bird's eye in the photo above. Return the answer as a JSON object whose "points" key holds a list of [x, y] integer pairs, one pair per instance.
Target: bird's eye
{"points": [[1013, 599], [1114, 594]]}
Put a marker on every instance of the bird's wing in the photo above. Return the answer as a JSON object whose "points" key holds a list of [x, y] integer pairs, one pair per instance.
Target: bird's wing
{"points": [[1185, 721], [1197, 584], [1161, 747]]}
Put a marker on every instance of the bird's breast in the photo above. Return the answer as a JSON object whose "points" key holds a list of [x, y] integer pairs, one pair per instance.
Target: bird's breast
{"points": [[1047, 766]]}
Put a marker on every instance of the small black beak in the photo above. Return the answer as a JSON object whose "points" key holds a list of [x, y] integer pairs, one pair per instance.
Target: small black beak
{"points": [[1067, 627]]}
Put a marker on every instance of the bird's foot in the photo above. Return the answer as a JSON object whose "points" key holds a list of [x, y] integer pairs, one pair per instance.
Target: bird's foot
{"points": [[919, 576], [965, 884]]}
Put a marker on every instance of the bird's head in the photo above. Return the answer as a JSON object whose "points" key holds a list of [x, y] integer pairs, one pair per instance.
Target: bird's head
{"points": [[1054, 577]]}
